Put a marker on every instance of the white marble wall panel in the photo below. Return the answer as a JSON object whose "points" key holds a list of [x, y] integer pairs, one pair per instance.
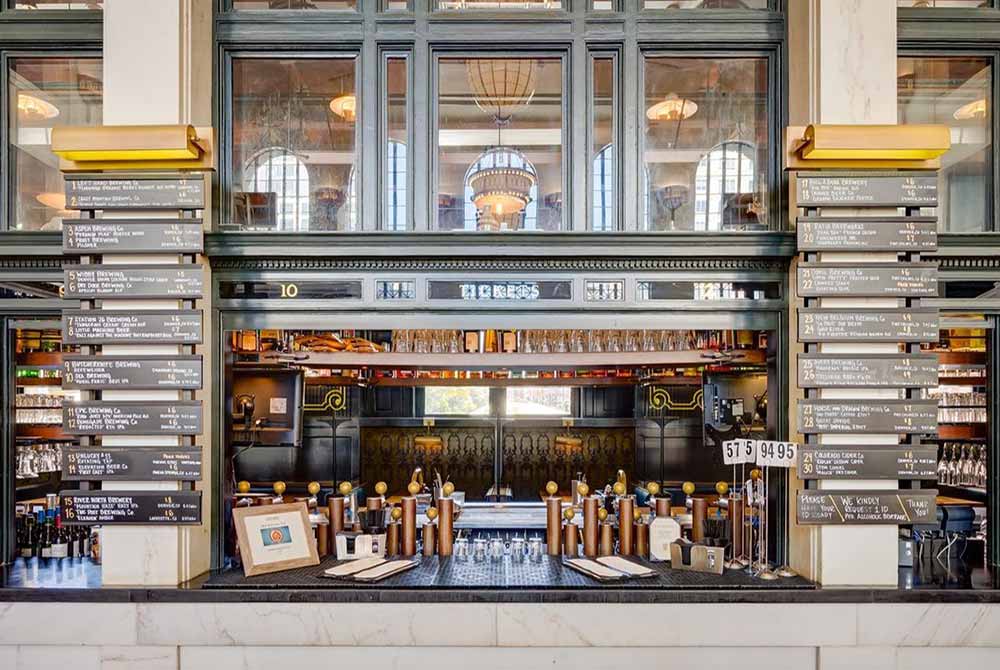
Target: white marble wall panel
{"points": [[56, 658], [857, 658], [929, 625], [67, 623], [328, 624], [133, 658], [630, 625], [943, 657]]}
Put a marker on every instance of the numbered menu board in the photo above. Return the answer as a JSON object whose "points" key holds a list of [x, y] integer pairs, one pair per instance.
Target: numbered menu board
{"points": [[850, 325], [132, 463], [815, 189], [130, 507], [139, 417], [874, 462], [868, 416], [133, 236], [136, 372], [867, 233], [867, 507], [152, 327], [104, 282], [867, 370], [138, 193], [892, 280]]}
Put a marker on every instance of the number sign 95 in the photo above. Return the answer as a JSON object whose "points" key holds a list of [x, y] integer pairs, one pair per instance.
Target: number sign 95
{"points": [[777, 454]]}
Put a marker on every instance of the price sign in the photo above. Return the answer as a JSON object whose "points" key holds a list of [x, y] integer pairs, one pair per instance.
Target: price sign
{"points": [[739, 451], [777, 454]]}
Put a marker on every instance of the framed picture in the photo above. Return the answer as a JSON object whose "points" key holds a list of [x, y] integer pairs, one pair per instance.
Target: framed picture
{"points": [[273, 538]]}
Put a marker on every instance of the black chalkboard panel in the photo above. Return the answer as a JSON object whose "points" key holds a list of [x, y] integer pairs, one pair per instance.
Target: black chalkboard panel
{"points": [[861, 233], [867, 416], [836, 508], [131, 463], [130, 507], [866, 190], [93, 192], [864, 325], [135, 417], [868, 370], [133, 236], [133, 372], [874, 462], [104, 282], [889, 280], [137, 327]]}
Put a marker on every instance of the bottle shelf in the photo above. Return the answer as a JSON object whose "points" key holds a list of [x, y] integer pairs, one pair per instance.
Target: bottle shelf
{"points": [[38, 381], [39, 359]]}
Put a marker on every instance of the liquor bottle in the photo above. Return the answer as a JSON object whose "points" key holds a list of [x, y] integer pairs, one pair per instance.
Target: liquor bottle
{"points": [[471, 338], [39, 532], [46, 551], [490, 344], [83, 541], [509, 341], [60, 543]]}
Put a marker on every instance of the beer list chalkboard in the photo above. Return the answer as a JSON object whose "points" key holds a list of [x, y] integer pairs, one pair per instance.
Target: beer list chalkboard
{"points": [[867, 507], [152, 327], [863, 233], [868, 370], [130, 507], [867, 416], [139, 193], [137, 372], [134, 236], [138, 417], [860, 190], [867, 280], [857, 325], [868, 462], [103, 282], [132, 463]]}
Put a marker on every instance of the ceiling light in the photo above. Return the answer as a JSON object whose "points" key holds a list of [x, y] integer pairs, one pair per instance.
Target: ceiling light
{"points": [[501, 181], [345, 106], [672, 108], [52, 199], [499, 84], [974, 110], [32, 108]]}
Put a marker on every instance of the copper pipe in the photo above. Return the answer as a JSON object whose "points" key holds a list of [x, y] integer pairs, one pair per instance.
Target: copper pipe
{"points": [[607, 546], [553, 521], [736, 523], [446, 517], [570, 547], [374, 503], [590, 504], [642, 540], [392, 539], [323, 537], [626, 508], [663, 506], [428, 538], [335, 508], [408, 535], [699, 510]]}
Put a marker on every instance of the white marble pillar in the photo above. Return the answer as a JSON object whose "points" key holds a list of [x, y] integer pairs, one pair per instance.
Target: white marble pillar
{"points": [[842, 70], [149, 49]]}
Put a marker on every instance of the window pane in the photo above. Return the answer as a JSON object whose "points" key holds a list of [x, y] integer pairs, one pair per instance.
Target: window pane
{"points": [[954, 91], [705, 4], [57, 4], [45, 93], [500, 160], [443, 400], [473, 5], [294, 153], [706, 148], [942, 4], [538, 401], [395, 6], [395, 173], [604, 159], [603, 5], [336, 5]]}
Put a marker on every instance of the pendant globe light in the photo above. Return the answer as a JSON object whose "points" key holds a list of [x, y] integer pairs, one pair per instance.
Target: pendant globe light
{"points": [[501, 84], [672, 108]]}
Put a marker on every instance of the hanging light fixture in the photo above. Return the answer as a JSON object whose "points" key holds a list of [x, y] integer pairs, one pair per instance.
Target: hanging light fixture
{"points": [[345, 106], [32, 108], [973, 110], [672, 108], [500, 84], [501, 180], [52, 199]]}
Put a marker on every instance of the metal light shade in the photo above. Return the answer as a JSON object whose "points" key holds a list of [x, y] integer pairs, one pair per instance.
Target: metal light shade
{"points": [[672, 108], [498, 84], [974, 110], [345, 106], [501, 180], [32, 108]]}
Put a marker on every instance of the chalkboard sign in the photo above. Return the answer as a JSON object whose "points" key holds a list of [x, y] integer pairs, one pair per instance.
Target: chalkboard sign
{"points": [[868, 370], [131, 463], [867, 507], [132, 236], [130, 507], [136, 417], [867, 416], [135, 372], [856, 325], [866, 190], [138, 193], [103, 282], [896, 233], [138, 327], [875, 462], [918, 280]]}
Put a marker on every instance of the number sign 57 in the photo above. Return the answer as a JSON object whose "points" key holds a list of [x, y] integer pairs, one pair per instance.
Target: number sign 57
{"points": [[738, 451], [777, 454]]}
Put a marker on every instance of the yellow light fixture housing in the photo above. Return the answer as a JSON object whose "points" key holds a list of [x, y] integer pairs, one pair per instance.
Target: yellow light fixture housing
{"points": [[345, 106], [874, 142], [32, 108], [974, 110], [672, 108], [133, 147]]}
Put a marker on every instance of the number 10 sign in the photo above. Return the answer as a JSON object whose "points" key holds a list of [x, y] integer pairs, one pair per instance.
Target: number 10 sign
{"points": [[739, 451]]}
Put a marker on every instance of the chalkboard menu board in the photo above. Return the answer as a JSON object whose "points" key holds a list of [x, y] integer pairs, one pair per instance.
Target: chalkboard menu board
{"points": [[135, 372], [867, 507], [863, 233], [868, 370], [131, 463], [138, 417], [875, 462], [130, 507], [103, 282], [866, 190], [857, 325], [132, 236], [867, 280], [867, 416], [139, 327], [137, 193]]}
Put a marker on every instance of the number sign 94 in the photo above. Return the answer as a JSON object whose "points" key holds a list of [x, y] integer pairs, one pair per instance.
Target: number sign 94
{"points": [[778, 454], [739, 451]]}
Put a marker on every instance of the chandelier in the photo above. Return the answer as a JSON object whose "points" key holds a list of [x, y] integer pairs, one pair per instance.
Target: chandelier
{"points": [[672, 108], [500, 84], [32, 108], [973, 110], [501, 180]]}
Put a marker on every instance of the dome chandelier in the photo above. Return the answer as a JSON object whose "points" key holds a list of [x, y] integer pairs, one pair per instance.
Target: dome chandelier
{"points": [[672, 108]]}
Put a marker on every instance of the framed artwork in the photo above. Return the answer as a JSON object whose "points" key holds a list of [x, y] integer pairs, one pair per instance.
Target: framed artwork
{"points": [[273, 538]]}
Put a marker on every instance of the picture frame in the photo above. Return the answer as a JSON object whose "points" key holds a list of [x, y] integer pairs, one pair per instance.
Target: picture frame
{"points": [[273, 538]]}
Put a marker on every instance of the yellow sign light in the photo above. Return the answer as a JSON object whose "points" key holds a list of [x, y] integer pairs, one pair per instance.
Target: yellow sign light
{"points": [[875, 142], [132, 147]]}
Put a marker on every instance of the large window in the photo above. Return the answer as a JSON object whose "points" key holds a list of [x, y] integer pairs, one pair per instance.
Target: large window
{"points": [[955, 91], [335, 5], [57, 4], [456, 400], [294, 130], [539, 401], [45, 93], [705, 144]]}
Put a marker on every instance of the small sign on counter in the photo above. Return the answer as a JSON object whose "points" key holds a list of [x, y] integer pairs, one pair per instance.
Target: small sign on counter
{"points": [[868, 370], [868, 416], [132, 236], [132, 463], [135, 372], [826, 508], [104, 282], [868, 462], [130, 507], [182, 326], [134, 417]]}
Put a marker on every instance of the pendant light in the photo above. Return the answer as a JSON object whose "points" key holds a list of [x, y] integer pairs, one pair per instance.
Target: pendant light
{"points": [[672, 108]]}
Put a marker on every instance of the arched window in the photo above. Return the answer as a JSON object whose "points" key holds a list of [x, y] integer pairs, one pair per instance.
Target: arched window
{"points": [[277, 170], [394, 207], [525, 220], [725, 178], [603, 214]]}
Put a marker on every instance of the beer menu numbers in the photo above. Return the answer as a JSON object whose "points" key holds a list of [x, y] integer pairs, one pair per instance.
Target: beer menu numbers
{"points": [[867, 190], [132, 463], [867, 233], [134, 236], [133, 417], [137, 372], [130, 507], [139, 193], [868, 325], [152, 327]]}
